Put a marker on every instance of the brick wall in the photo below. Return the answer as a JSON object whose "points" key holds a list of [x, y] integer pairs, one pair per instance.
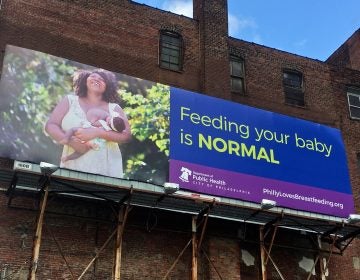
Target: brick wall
{"points": [[123, 36], [264, 88], [348, 54], [115, 35]]}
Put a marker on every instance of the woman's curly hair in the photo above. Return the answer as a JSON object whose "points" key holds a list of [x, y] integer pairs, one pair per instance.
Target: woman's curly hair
{"points": [[110, 95]]}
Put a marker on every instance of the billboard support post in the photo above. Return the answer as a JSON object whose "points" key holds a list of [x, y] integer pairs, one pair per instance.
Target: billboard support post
{"points": [[323, 261], [194, 249], [118, 244], [262, 254], [122, 218], [38, 233]]}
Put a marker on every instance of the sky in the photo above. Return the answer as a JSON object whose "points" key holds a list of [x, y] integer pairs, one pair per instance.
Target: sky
{"points": [[310, 28]]}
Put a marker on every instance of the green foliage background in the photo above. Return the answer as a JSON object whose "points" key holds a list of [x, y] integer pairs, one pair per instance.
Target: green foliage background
{"points": [[32, 83]]}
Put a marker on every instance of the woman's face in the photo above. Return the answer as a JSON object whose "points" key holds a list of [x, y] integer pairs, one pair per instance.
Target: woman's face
{"points": [[96, 83]]}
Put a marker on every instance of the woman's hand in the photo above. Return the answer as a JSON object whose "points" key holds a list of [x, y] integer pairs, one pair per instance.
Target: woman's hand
{"points": [[79, 147], [87, 134]]}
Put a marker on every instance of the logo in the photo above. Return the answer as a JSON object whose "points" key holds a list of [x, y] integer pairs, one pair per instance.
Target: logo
{"points": [[185, 173], [23, 165]]}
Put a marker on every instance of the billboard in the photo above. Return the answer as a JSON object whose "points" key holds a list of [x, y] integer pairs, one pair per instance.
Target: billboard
{"points": [[96, 121]]}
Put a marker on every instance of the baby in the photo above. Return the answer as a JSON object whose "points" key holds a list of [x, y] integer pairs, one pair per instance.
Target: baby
{"points": [[95, 118]]}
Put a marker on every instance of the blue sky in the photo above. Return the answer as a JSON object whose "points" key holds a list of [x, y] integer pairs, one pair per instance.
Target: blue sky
{"points": [[311, 28]]}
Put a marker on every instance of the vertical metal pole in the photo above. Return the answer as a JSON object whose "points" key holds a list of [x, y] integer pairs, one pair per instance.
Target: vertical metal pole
{"points": [[117, 268], [321, 261], [38, 235], [194, 250], [262, 253]]}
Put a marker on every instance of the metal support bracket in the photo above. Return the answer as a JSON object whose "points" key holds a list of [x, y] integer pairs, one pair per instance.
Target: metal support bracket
{"points": [[200, 218], [349, 237], [11, 189]]}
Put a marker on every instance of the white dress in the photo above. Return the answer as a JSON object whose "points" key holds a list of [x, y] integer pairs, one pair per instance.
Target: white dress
{"points": [[105, 161]]}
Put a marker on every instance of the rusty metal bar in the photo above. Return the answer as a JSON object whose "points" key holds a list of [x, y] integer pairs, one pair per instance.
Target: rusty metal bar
{"points": [[331, 231], [331, 251], [322, 271], [194, 259], [38, 235], [205, 224], [342, 249], [313, 267], [212, 264], [262, 253], [122, 218], [97, 254], [274, 264], [350, 236], [177, 259], [60, 250], [203, 231], [268, 225], [271, 243], [118, 244], [11, 189]]}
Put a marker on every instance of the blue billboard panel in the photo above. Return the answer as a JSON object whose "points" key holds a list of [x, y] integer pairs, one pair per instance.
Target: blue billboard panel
{"points": [[228, 149]]}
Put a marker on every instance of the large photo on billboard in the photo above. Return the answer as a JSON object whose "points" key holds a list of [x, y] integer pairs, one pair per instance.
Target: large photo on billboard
{"points": [[82, 118], [96, 121]]}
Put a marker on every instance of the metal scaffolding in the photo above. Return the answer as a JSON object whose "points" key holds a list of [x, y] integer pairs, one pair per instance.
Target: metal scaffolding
{"points": [[122, 198]]}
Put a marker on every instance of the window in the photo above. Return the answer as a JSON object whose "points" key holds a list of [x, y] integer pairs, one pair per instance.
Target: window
{"points": [[353, 95], [293, 88], [171, 50], [237, 74]]}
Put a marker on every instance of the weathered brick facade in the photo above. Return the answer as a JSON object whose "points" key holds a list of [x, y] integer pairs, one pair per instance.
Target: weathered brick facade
{"points": [[123, 36]]}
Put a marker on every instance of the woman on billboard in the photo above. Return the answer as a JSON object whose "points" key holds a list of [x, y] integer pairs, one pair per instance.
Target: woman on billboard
{"points": [[91, 125]]}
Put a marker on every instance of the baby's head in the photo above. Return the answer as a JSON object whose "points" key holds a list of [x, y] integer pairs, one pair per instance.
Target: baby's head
{"points": [[116, 123]]}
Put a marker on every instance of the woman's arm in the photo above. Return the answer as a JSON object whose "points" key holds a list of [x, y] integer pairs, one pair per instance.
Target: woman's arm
{"points": [[86, 134], [53, 126]]}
